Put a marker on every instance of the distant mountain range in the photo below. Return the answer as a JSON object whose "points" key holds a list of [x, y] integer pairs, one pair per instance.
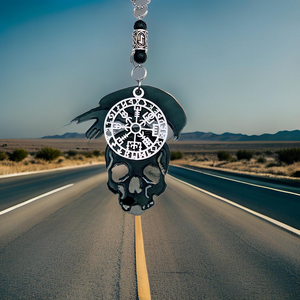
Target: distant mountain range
{"points": [[68, 135], [238, 137], [212, 137]]}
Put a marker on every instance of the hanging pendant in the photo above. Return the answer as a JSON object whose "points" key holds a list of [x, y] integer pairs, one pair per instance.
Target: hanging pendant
{"points": [[136, 122]]}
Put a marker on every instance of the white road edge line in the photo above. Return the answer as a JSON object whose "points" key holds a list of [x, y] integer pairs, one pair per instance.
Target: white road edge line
{"points": [[277, 223], [243, 182], [34, 199]]}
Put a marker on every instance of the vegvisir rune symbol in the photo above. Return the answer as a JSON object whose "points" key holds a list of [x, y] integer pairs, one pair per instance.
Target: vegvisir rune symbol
{"points": [[135, 128]]}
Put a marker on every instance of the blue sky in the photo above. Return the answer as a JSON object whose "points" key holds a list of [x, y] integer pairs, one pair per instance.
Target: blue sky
{"points": [[234, 65]]}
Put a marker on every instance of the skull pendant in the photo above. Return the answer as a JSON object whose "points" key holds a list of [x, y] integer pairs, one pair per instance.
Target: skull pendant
{"points": [[136, 123], [137, 181]]}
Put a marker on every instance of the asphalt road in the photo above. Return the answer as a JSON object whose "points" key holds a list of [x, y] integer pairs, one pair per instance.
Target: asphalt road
{"points": [[75, 244], [14, 190], [283, 207], [198, 247], [78, 244]]}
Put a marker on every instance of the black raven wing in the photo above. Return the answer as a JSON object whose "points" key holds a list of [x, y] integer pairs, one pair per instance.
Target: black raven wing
{"points": [[99, 115]]}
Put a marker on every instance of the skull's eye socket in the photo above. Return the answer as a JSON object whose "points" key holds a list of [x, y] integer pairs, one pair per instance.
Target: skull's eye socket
{"points": [[120, 173], [152, 173]]}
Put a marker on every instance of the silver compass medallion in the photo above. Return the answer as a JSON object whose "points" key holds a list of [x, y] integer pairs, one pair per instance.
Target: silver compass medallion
{"points": [[135, 128]]}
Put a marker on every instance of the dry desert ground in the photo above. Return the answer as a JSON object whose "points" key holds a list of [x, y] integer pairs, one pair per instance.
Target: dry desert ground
{"points": [[196, 154]]}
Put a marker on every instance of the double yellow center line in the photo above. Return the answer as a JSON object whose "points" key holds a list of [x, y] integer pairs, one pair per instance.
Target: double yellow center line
{"points": [[141, 267]]}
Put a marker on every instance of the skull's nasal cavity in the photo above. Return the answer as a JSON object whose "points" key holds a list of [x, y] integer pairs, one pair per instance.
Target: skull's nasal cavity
{"points": [[135, 185], [128, 201]]}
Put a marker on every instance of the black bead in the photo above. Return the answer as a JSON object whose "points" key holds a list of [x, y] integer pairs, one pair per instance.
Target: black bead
{"points": [[140, 56], [140, 24]]}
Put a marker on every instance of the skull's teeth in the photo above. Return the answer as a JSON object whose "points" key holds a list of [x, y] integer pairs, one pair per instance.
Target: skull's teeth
{"points": [[126, 207], [144, 207]]}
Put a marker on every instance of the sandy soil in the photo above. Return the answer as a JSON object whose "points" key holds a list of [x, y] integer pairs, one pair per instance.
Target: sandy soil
{"points": [[201, 154], [281, 171], [33, 145]]}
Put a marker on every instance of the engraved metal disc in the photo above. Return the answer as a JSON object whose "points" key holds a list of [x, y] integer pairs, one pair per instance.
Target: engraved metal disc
{"points": [[135, 128]]}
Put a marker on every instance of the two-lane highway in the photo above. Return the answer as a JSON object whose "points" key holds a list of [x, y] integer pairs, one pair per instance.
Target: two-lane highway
{"points": [[78, 244]]}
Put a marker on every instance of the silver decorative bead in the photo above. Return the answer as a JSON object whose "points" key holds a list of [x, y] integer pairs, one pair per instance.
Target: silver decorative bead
{"points": [[140, 39]]}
